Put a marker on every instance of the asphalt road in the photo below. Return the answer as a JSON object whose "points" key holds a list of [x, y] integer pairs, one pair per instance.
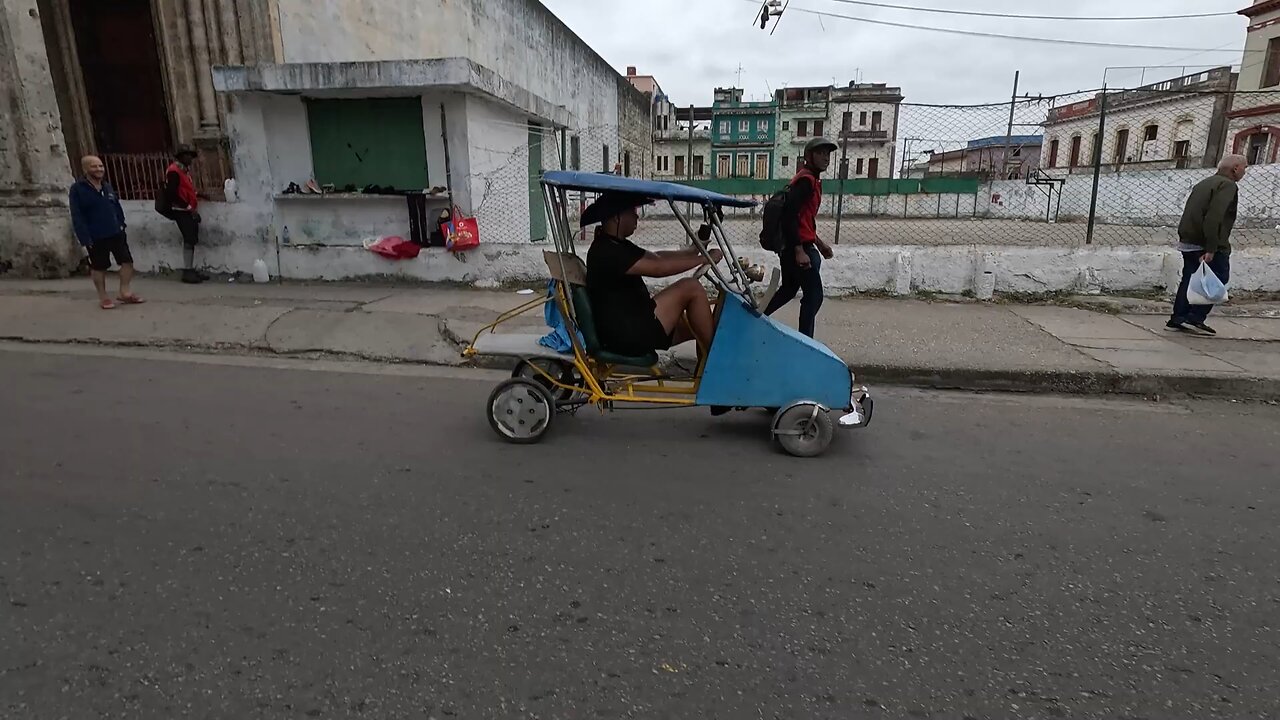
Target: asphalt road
{"points": [[191, 539]]}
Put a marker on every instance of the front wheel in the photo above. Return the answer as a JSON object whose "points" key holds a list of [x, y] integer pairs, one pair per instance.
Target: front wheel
{"points": [[520, 411], [804, 430]]}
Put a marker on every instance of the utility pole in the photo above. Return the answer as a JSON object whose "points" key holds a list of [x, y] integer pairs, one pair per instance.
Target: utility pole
{"points": [[844, 166], [689, 160], [1097, 165], [1008, 136]]}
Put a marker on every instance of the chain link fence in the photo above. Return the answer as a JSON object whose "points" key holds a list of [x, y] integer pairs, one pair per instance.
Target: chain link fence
{"points": [[1103, 169]]}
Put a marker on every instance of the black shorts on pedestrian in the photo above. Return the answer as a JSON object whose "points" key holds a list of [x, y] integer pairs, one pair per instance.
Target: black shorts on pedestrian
{"points": [[101, 252], [189, 227]]}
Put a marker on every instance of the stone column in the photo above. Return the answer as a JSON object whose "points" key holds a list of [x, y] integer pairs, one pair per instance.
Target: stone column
{"points": [[231, 45], [35, 226], [203, 67]]}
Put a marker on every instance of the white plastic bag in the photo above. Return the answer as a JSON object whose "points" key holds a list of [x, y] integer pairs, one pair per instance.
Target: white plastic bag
{"points": [[1205, 288]]}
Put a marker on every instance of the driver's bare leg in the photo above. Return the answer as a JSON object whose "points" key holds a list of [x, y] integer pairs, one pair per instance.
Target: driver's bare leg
{"points": [[686, 299]]}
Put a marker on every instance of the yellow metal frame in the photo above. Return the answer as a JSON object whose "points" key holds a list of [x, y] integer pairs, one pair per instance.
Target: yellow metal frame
{"points": [[601, 385]]}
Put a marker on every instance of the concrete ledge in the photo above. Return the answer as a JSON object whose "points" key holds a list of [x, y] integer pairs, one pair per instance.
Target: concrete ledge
{"points": [[387, 77]]}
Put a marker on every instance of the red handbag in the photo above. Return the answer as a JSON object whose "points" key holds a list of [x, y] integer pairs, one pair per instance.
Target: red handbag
{"points": [[461, 233]]}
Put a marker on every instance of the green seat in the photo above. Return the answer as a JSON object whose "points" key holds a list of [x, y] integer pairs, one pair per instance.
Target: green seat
{"points": [[587, 326]]}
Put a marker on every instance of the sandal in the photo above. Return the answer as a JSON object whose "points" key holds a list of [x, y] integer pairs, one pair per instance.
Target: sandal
{"points": [[106, 304], [130, 299]]}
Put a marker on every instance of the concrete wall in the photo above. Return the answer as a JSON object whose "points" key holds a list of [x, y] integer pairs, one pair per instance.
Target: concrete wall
{"points": [[519, 39], [893, 269], [1253, 69], [1150, 198], [35, 227]]}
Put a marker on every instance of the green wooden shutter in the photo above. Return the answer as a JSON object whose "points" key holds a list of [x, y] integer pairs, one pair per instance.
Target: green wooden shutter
{"points": [[368, 141]]}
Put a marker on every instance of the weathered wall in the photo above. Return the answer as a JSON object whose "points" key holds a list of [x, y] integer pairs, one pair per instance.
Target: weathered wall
{"points": [[892, 269], [518, 39], [1180, 117], [1151, 197], [35, 227]]}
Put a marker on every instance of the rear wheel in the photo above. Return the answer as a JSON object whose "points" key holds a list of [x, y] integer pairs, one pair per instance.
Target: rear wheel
{"points": [[804, 430], [520, 411], [563, 372]]}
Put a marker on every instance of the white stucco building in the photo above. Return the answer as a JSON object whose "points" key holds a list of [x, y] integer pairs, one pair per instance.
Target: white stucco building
{"points": [[862, 117], [1254, 129], [473, 99], [1177, 123]]}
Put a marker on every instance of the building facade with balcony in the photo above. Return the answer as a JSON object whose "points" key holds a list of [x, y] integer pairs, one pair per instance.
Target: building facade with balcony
{"points": [[998, 157], [861, 117], [1177, 123], [743, 135], [1254, 125]]}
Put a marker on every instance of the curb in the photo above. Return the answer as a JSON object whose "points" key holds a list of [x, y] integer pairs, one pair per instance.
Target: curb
{"points": [[1073, 382], [1064, 382]]}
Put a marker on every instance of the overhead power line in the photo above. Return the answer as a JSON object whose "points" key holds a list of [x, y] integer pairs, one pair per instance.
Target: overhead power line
{"points": [[1021, 16], [1000, 36]]}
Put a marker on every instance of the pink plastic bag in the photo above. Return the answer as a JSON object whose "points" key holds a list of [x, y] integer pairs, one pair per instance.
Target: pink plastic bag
{"points": [[394, 248]]}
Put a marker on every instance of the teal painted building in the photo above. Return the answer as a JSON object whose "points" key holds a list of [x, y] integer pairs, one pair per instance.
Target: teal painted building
{"points": [[743, 135]]}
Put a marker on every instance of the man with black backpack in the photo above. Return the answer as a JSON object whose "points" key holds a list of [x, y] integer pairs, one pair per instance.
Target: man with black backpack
{"points": [[791, 230]]}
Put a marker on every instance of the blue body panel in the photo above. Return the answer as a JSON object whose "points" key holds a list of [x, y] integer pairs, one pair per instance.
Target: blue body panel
{"points": [[757, 362], [604, 182]]}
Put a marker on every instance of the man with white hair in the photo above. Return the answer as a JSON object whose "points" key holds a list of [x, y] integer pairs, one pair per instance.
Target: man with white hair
{"points": [[1204, 237]]}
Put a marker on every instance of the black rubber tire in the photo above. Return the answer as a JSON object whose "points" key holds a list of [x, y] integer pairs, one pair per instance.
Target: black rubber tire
{"points": [[817, 438], [527, 411]]}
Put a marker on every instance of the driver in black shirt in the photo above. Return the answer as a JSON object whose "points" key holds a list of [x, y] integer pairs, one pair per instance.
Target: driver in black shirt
{"points": [[628, 320]]}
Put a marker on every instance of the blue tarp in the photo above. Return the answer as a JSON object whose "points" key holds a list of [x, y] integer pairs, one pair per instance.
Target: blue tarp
{"points": [[604, 182], [558, 339]]}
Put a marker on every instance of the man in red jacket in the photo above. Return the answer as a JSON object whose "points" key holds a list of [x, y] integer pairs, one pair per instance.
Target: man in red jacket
{"points": [[801, 258], [182, 201]]}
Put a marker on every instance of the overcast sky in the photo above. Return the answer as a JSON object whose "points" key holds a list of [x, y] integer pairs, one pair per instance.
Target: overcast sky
{"points": [[692, 46]]}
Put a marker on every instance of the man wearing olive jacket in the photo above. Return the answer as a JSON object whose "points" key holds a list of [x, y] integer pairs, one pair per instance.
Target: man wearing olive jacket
{"points": [[1204, 236]]}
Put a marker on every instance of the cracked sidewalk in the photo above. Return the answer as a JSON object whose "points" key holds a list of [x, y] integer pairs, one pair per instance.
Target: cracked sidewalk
{"points": [[964, 345]]}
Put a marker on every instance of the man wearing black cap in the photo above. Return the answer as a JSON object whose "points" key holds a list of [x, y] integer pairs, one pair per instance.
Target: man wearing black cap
{"points": [[628, 320], [801, 259], [181, 201]]}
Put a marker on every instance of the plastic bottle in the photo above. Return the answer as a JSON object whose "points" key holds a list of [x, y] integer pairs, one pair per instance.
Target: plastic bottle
{"points": [[260, 272], [230, 191], [285, 238]]}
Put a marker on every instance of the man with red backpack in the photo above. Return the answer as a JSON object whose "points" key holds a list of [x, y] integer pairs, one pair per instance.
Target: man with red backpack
{"points": [[802, 251], [179, 201]]}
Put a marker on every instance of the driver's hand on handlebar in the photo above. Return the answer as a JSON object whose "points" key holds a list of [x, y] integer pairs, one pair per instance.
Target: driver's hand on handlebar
{"points": [[716, 255]]}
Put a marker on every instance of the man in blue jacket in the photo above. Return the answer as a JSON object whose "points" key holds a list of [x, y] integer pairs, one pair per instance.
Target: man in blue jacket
{"points": [[99, 223]]}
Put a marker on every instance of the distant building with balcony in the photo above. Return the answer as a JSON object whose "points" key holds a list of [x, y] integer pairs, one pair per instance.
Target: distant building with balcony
{"points": [[1254, 120], [742, 136], [990, 158], [861, 117], [1177, 123], [677, 153]]}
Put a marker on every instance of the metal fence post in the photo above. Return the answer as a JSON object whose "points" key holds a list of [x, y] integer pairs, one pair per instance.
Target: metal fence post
{"points": [[1097, 166]]}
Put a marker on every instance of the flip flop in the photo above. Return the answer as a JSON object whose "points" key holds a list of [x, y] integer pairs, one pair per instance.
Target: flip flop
{"points": [[107, 305], [130, 300]]}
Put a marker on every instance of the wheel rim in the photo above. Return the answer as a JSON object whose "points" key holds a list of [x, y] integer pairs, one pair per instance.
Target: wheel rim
{"points": [[808, 432], [811, 431], [521, 412]]}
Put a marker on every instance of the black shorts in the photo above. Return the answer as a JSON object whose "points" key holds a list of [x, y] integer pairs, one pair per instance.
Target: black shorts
{"points": [[101, 252], [189, 227], [642, 337]]}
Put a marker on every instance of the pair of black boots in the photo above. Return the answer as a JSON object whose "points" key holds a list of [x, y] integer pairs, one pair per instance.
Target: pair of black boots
{"points": [[193, 277]]}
